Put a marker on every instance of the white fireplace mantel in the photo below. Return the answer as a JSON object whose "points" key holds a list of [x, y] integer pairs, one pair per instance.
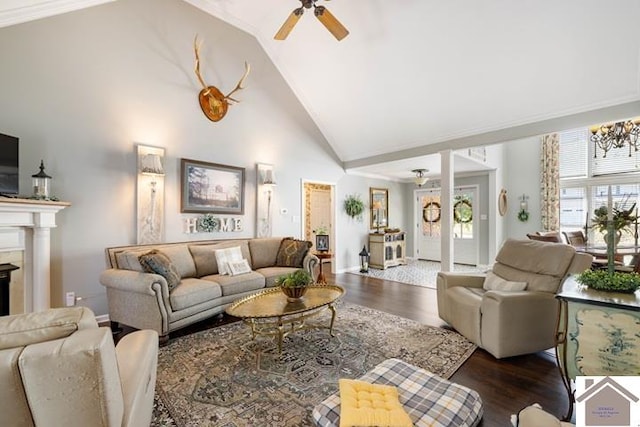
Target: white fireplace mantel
{"points": [[25, 224]]}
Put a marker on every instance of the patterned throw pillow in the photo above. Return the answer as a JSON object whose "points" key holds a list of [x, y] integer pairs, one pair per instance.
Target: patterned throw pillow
{"points": [[156, 262], [292, 252], [237, 268]]}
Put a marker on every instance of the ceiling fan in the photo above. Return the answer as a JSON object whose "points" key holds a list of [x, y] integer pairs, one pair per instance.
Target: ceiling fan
{"points": [[322, 13]]}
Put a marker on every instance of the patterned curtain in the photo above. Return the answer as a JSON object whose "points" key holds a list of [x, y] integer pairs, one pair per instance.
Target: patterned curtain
{"points": [[550, 182]]}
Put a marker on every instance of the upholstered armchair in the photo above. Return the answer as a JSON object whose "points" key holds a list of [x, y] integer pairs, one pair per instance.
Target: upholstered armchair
{"points": [[58, 368], [512, 309]]}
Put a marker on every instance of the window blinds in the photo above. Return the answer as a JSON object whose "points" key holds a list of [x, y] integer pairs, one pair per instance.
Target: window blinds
{"points": [[574, 147]]}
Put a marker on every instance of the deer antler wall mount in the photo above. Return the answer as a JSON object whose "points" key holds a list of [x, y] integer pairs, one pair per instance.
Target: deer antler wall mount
{"points": [[214, 103]]}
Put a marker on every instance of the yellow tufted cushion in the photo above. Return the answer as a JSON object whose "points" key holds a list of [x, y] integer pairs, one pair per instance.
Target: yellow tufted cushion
{"points": [[364, 404]]}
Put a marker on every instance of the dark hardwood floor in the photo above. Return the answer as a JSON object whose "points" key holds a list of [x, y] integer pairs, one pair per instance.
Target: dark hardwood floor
{"points": [[505, 385]]}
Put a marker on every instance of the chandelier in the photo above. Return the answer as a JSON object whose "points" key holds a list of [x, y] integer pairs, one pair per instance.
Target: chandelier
{"points": [[616, 135], [420, 179]]}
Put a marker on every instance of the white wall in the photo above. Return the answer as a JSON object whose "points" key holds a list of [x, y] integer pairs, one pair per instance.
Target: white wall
{"points": [[80, 89], [522, 176], [352, 234]]}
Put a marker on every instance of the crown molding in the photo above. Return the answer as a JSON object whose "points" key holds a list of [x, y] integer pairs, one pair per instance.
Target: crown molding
{"points": [[17, 12]]}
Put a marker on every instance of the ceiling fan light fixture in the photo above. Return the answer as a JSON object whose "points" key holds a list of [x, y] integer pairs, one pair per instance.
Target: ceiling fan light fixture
{"points": [[420, 179]]}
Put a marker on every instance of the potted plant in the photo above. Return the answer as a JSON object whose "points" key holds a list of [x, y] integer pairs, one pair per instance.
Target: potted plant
{"points": [[353, 206], [622, 219], [602, 280], [294, 285]]}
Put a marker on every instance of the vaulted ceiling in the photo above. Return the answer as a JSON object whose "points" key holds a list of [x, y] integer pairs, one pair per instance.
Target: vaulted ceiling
{"points": [[414, 76]]}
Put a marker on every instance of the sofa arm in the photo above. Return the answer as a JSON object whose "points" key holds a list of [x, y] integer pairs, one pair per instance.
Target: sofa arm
{"points": [[137, 357], [136, 299], [134, 281], [515, 323], [310, 262]]}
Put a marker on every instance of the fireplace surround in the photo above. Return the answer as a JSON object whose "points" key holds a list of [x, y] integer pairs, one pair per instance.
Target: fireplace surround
{"points": [[25, 225]]}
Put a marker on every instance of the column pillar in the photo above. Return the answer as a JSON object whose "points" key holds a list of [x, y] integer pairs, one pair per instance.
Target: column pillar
{"points": [[446, 217]]}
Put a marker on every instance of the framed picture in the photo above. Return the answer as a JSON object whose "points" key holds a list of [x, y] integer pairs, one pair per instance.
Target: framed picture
{"points": [[379, 202], [322, 242], [211, 188]]}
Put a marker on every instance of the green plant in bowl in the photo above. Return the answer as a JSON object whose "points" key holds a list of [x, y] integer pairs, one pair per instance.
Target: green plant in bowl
{"points": [[294, 285], [601, 280]]}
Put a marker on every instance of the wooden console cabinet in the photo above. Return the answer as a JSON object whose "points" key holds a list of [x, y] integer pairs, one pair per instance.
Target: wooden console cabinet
{"points": [[387, 249]]}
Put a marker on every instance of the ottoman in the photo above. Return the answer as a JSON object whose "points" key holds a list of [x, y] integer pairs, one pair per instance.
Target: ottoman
{"points": [[428, 399]]}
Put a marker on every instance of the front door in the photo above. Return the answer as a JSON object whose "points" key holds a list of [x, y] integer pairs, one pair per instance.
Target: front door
{"points": [[465, 225]]}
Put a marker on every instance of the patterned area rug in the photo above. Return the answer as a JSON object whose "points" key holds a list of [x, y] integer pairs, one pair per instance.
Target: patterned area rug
{"points": [[418, 272], [220, 377]]}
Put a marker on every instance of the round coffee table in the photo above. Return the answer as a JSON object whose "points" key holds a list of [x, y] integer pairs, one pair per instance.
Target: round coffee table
{"points": [[268, 312]]}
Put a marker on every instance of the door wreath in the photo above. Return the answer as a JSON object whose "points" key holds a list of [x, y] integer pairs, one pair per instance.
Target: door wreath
{"points": [[431, 212], [463, 212]]}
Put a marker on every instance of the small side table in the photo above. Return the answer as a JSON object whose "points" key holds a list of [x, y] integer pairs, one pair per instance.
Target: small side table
{"points": [[321, 280]]}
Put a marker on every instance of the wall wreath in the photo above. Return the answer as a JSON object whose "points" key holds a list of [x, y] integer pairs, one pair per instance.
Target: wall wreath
{"points": [[463, 212], [431, 212]]}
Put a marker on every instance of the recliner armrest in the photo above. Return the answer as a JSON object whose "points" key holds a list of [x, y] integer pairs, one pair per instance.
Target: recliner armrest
{"points": [[137, 357], [448, 280]]}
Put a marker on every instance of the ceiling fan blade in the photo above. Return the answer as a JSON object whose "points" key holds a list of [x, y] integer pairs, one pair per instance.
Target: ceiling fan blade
{"points": [[288, 25], [330, 22]]}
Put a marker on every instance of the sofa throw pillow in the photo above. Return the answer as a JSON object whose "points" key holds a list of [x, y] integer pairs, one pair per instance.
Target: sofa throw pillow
{"points": [[156, 262], [366, 404], [292, 252], [493, 282], [237, 268], [226, 255]]}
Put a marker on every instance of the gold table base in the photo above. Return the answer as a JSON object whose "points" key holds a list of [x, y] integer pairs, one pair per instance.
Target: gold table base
{"points": [[268, 313], [285, 325]]}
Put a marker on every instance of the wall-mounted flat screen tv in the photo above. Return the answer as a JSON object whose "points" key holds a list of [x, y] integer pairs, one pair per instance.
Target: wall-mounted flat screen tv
{"points": [[9, 176]]}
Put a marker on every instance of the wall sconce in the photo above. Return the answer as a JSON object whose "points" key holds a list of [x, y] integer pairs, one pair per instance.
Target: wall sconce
{"points": [[152, 167], [266, 183], [41, 183], [150, 194], [523, 213]]}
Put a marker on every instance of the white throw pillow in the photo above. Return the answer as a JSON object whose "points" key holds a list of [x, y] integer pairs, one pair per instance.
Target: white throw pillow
{"points": [[493, 282], [224, 256], [238, 267]]}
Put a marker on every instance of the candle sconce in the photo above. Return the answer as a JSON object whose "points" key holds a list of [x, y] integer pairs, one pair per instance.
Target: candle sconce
{"points": [[523, 213], [150, 194], [266, 183]]}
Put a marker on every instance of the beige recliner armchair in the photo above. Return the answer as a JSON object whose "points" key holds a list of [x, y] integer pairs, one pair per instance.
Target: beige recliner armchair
{"points": [[511, 322], [58, 368]]}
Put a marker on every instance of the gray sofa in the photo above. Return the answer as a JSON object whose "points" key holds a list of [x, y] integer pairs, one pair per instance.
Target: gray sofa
{"points": [[143, 300]]}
